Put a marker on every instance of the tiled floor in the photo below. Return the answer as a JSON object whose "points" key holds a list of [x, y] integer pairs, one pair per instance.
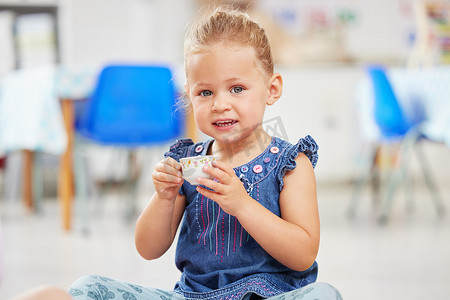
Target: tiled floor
{"points": [[409, 258]]}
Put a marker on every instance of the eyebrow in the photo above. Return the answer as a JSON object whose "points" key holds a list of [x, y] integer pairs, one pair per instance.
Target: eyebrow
{"points": [[233, 79]]}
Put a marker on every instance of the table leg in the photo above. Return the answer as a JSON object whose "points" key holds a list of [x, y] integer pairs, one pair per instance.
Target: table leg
{"points": [[27, 184], [66, 181]]}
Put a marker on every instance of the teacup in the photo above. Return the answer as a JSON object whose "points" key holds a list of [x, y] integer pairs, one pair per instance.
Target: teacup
{"points": [[192, 167]]}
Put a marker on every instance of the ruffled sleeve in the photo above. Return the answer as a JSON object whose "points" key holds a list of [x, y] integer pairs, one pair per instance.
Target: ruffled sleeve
{"points": [[179, 149], [308, 146]]}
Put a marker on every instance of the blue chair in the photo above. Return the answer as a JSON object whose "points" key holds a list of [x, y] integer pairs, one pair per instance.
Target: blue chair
{"points": [[132, 107], [394, 126]]}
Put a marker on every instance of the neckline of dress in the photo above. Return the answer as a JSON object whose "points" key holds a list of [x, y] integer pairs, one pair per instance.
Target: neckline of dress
{"points": [[209, 142]]}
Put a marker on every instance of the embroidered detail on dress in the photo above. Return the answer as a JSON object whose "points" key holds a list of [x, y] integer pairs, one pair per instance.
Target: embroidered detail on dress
{"points": [[196, 214], [203, 220], [247, 185], [257, 192], [212, 224], [252, 286]]}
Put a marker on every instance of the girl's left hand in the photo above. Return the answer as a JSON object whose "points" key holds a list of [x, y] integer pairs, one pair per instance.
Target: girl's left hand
{"points": [[228, 191]]}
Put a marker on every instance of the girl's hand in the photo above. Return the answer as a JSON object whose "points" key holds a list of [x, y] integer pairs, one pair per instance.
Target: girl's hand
{"points": [[228, 191], [167, 178]]}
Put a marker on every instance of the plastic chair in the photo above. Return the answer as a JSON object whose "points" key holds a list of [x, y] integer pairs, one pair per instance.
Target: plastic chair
{"points": [[394, 126], [131, 107]]}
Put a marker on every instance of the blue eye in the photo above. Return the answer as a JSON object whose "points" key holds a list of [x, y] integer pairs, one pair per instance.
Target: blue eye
{"points": [[205, 93], [237, 89]]}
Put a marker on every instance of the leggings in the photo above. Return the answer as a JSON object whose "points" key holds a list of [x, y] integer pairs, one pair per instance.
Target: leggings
{"points": [[104, 288]]}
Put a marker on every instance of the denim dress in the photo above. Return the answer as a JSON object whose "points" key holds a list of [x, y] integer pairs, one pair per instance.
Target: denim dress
{"points": [[217, 257]]}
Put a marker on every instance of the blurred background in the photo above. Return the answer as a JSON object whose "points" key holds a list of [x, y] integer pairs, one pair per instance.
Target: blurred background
{"points": [[369, 80]]}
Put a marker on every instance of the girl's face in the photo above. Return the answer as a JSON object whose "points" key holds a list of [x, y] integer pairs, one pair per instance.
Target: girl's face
{"points": [[229, 92]]}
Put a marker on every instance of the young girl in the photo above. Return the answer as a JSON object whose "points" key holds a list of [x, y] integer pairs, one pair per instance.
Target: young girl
{"points": [[252, 231]]}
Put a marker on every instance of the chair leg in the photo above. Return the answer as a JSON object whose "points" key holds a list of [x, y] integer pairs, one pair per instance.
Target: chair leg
{"points": [[429, 181], [369, 162], [375, 180], [409, 193], [397, 175], [131, 184]]}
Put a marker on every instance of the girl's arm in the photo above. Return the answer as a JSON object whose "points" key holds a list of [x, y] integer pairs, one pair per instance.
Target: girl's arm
{"points": [[293, 239], [158, 223]]}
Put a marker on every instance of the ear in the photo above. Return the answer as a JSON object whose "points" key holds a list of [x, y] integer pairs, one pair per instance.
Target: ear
{"points": [[275, 86], [186, 88]]}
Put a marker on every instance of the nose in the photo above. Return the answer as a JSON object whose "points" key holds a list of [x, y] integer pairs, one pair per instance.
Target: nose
{"points": [[221, 103]]}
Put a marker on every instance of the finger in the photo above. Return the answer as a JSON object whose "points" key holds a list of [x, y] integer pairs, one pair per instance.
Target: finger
{"points": [[172, 162], [167, 177], [212, 184], [163, 167], [217, 173], [223, 166], [207, 193]]}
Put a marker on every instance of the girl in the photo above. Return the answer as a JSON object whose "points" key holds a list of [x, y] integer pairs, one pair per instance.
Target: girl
{"points": [[252, 231]]}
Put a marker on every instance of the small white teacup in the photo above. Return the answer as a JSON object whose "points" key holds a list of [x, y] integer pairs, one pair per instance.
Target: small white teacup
{"points": [[192, 167]]}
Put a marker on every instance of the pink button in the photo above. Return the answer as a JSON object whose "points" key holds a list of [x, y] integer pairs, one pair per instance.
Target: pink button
{"points": [[199, 148], [267, 159], [257, 169], [274, 150]]}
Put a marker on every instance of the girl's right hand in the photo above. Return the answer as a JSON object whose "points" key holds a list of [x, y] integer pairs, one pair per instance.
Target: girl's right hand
{"points": [[167, 178]]}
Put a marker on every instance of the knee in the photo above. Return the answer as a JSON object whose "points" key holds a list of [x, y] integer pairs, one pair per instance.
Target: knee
{"points": [[82, 281], [82, 285], [93, 286]]}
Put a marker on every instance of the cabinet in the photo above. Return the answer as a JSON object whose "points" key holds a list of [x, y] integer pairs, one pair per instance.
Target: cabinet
{"points": [[34, 29]]}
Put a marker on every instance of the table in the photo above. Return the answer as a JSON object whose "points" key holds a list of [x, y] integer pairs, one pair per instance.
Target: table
{"points": [[71, 83], [48, 94], [30, 119]]}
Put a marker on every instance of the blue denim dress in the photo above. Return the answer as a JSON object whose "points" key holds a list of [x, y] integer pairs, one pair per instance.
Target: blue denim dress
{"points": [[217, 257]]}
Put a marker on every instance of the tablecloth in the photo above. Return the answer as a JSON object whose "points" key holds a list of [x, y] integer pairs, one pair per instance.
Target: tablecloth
{"points": [[30, 113]]}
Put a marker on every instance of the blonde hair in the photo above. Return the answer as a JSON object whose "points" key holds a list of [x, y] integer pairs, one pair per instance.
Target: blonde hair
{"points": [[227, 25]]}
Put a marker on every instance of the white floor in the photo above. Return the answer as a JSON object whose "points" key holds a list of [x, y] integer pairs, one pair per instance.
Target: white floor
{"points": [[409, 258]]}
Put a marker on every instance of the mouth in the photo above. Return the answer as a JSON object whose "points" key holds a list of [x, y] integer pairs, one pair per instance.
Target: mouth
{"points": [[225, 123]]}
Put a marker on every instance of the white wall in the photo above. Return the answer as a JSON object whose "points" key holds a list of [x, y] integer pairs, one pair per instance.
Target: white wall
{"points": [[100, 31], [382, 30], [319, 101]]}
